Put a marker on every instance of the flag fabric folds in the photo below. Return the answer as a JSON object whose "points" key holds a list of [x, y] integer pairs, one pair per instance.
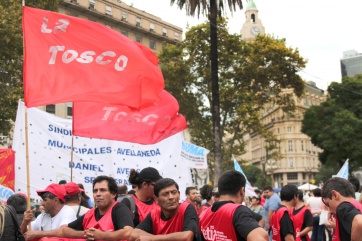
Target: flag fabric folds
{"points": [[343, 172], [146, 125], [68, 59], [249, 190]]}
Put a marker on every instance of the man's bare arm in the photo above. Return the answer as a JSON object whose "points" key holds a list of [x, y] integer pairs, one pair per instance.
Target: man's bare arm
{"points": [[177, 236], [356, 230], [257, 234], [120, 234]]}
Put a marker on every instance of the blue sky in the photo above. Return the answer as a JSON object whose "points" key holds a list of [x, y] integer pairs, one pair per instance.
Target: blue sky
{"points": [[321, 30]]}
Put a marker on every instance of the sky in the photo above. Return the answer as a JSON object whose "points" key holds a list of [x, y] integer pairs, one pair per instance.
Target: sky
{"points": [[320, 30]]}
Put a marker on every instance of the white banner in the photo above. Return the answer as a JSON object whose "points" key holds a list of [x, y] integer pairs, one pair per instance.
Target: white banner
{"points": [[50, 139], [194, 156]]}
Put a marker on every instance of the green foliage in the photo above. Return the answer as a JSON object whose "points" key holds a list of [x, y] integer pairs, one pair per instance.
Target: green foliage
{"points": [[335, 126], [250, 75], [326, 172], [11, 56]]}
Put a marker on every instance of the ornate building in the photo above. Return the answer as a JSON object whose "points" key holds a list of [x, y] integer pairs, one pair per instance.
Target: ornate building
{"points": [[299, 161], [134, 23]]}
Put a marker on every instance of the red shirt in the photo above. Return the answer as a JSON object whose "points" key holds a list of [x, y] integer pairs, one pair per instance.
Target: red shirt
{"points": [[275, 223], [143, 208], [298, 220]]}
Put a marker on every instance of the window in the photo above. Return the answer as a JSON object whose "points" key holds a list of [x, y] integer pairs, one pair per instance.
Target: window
{"points": [[290, 145], [124, 32], [292, 176], [152, 44], [177, 38], [152, 27], [289, 129], [138, 39], [291, 162], [138, 21], [50, 109], [92, 3], [69, 109], [108, 10], [124, 16], [302, 145], [164, 32]]}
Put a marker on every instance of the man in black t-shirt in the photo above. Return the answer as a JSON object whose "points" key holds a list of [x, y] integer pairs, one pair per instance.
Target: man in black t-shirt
{"points": [[302, 219], [281, 224], [338, 194], [110, 220], [227, 219], [173, 221]]}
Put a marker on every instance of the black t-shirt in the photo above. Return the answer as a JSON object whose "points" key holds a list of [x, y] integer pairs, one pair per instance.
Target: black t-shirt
{"points": [[308, 220], [136, 219], [286, 226], [244, 219], [345, 214], [191, 222], [121, 217]]}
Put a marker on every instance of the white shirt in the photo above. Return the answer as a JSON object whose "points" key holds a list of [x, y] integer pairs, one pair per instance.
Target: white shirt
{"points": [[45, 223], [315, 204], [82, 210]]}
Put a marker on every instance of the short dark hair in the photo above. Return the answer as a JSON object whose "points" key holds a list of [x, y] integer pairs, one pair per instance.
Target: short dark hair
{"points": [[163, 183], [288, 192], [19, 202], [112, 185], [257, 191], [206, 192], [188, 189], [341, 185], [122, 189], [50, 195], [74, 197], [355, 183], [269, 188], [230, 182], [61, 182], [317, 192], [300, 195]]}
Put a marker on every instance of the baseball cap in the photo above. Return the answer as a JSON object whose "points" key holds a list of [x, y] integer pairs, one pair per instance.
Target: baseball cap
{"points": [[55, 189], [149, 174], [72, 188]]}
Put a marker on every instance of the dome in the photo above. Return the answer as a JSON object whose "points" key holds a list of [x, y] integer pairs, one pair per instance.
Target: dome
{"points": [[251, 5]]}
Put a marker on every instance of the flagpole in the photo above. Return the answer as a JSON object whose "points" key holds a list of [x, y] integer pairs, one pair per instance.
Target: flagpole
{"points": [[72, 152], [71, 157]]}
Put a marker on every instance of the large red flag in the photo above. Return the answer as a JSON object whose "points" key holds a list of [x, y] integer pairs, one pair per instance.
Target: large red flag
{"points": [[71, 59], [146, 125]]}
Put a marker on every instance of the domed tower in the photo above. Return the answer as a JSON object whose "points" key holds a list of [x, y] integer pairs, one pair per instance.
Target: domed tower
{"points": [[252, 26]]}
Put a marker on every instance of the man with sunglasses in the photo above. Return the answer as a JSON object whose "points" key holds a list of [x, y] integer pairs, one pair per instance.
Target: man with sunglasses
{"points": [[55, 214], [338, 194]]}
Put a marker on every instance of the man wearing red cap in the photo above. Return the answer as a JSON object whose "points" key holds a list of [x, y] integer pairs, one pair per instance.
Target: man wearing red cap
{"points": [[55, 213], [73, 198]]}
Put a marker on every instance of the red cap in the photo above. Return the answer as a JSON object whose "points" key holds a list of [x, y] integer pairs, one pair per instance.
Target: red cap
{"points": [[56, 189], [72, 188]]}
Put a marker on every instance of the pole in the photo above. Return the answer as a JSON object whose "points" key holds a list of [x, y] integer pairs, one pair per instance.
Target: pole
{"points": [[71, 159]]}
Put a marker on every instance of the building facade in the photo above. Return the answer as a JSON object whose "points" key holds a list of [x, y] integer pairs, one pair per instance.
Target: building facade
{"points": [[351, 63], [134, 23], [298, 162]]}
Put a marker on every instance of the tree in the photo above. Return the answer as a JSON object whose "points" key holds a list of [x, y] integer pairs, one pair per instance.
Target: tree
{"points": [[214, 9], [335, 126], [11, 57], [250, 75]]}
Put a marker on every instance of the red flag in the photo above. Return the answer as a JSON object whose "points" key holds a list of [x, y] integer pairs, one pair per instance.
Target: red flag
{"points": [[71, 59], [146, 125], [7, 173]]}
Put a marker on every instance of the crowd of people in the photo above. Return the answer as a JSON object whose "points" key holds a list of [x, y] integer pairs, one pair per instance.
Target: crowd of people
{"points": [[152, 210]]}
